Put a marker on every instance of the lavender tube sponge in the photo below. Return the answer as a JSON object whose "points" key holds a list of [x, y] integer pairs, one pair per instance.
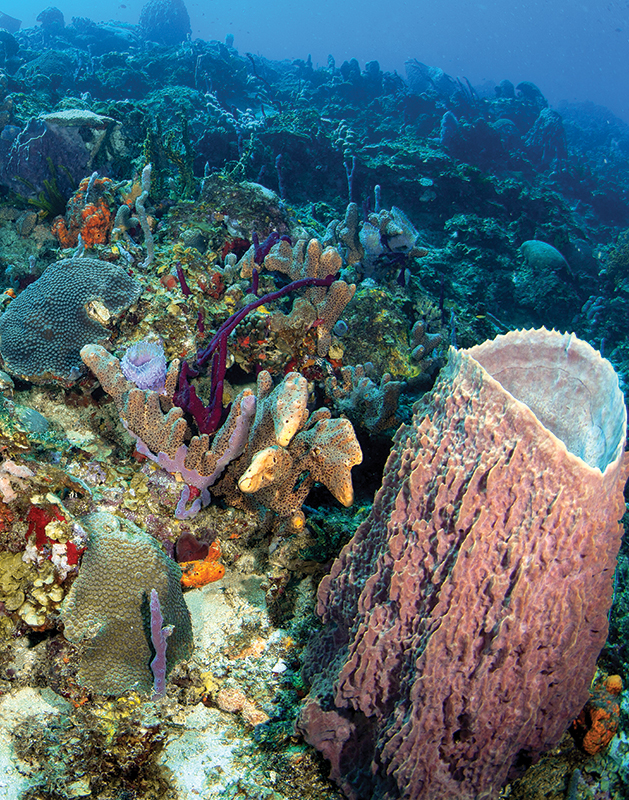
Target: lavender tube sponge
{"points": [[144, 363]]}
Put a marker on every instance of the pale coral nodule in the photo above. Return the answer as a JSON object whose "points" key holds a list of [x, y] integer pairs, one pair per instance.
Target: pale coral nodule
{"points": [[465, 617]]}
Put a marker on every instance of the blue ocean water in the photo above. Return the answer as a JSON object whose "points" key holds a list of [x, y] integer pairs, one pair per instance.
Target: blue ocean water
{"points": [[573, 51]]}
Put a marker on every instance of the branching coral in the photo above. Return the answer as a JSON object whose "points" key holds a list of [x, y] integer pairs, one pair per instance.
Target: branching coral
{"points": [[309, 260], [274, 450], [161, 436]]}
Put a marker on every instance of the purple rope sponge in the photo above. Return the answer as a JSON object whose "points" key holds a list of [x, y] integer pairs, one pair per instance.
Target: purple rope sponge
{"points": [[208, 418], [159, 636]]}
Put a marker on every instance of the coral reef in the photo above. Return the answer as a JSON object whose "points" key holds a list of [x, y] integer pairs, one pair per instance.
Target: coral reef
{"points": [[439, 664], [303, 236]]}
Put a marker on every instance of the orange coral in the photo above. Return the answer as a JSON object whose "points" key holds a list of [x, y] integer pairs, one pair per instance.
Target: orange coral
{"points": [[613, 684], [199, 573], [597, 724], [92, 220]]}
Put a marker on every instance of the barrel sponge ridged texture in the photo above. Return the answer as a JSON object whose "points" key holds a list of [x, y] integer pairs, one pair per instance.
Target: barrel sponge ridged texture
{"points": [[465, 617], [107, 614], [44, 328]]}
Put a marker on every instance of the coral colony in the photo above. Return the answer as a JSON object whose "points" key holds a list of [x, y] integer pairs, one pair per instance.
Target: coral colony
{"points": [[312, 426]]}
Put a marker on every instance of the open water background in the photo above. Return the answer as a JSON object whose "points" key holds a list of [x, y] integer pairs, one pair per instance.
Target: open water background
{"points": [[573, 50]]}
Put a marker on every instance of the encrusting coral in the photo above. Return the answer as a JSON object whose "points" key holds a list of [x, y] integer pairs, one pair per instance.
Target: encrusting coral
{"points": [[273, 448], [597, 724], [202, 571]]}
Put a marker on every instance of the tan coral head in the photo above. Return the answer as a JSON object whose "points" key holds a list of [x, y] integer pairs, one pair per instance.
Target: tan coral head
{"points": [[571, 389]]}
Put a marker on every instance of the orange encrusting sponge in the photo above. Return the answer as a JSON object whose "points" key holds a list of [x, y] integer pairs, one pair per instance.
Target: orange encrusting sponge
{"points": [[198, 573]]}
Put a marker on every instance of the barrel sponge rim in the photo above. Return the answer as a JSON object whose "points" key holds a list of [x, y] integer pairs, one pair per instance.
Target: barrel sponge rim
{"points": [[571, 390]]}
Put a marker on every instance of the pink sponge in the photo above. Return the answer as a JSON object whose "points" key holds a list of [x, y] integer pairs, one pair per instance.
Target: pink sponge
{"points": [[465, 617]]}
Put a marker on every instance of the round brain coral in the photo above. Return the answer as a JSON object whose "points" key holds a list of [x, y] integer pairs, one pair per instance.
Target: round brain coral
{"points": [[45, 327], [106, 612]]}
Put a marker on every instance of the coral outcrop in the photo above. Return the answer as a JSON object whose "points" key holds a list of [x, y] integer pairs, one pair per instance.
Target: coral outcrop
{"points": [[45, 327], [107, 610], [465, 617], [273, 447]]}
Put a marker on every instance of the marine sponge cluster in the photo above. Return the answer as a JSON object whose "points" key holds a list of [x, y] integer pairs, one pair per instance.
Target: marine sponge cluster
{"points": [[307, 260], [107, 609], [44, 328], [88, 214], [273, 447], [288, 450]]}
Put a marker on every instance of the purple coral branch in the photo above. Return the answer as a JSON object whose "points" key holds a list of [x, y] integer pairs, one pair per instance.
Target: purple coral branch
{"points": [[159, 636], [208, 419], [181, 512], [185, 289]]}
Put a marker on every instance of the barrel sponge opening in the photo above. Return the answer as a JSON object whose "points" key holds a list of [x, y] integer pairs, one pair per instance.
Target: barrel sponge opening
{"points": [[571, 389]]}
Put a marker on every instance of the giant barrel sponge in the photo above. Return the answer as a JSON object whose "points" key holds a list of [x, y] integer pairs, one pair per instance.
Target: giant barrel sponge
{"points": [[465, 617]]}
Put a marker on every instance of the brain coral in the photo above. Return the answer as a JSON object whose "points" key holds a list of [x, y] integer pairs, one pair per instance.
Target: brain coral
{"points": [[465, 617], [107, 613], [45, 327]]}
